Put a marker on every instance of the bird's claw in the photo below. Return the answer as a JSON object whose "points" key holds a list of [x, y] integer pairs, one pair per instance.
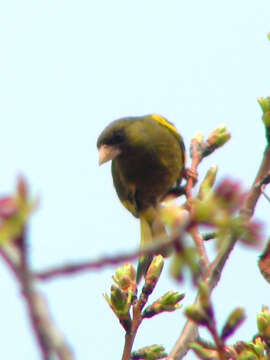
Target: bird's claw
{"points": [[190, 173]]}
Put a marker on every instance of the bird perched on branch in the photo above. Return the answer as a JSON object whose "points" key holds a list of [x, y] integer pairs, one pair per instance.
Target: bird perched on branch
{"points": [[148, 160]]}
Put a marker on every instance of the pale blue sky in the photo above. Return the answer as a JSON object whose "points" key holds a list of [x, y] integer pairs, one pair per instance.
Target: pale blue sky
{"points": [[68, 68]]}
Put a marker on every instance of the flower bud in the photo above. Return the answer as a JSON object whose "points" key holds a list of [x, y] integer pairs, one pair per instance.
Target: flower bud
{"points": [[168, 302], [219, 136], [233, 322], [208, 182], [197, 315], [153, 274], [265, 105], [257, 347], [205, 300], [149, 352], [125, 277], [263, 323], [119, 301]]}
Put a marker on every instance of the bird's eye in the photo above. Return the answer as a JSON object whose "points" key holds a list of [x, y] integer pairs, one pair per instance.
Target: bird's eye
{"points": [[118, 138]]}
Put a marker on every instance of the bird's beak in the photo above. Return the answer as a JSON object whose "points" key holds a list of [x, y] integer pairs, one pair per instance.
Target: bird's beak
{"points": [[107, 153]]}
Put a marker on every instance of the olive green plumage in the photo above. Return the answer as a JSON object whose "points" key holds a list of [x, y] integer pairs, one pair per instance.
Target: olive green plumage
{"points": [[148, 158]]}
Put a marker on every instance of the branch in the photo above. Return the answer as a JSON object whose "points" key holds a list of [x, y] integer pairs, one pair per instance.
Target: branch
{"points": [[50, 340], [199, 150], [73, 268], [190, 331], [136, 322]]}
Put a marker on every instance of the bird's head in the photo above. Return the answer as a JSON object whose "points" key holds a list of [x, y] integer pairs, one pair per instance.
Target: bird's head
{"points": [[112, 140]]}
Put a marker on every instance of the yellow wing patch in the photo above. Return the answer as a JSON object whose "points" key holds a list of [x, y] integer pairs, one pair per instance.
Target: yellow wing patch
{"points": [[162, 121]]}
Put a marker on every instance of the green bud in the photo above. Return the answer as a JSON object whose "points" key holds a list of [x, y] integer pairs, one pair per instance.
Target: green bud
{"points": [[218, 137], [208, 182], [257, 347], [268, 36], [197, 315], [153, 274], [204, 353], [168, 302], [118, 298], [174, 216], [152, 352], [206, 210], [247, 355], [205, 300], [155, 268], [266, 119], [233, 322], [265, 105], [171, 298], [119, 301], [125, 278], [177, 265], [263, 323]]}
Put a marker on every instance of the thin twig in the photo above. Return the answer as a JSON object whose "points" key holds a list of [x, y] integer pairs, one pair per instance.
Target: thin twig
{"points": [[199, 242], [255, 191], [264, 193], [136, 320], [73, 268], [196, 156]]}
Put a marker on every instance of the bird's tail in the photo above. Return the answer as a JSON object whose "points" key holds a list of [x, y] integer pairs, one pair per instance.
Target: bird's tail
{"points": [[152, 229]]}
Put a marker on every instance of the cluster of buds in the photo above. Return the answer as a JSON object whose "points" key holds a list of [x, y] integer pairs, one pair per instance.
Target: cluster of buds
{"points": [[168, 302], [124, 278], [14, 213], [177, 219], [220, 207], [216, 139], [259, 348], [203, 315], [123, 294], [263, 323], [254, 350], [150, 353], [174, 216]]}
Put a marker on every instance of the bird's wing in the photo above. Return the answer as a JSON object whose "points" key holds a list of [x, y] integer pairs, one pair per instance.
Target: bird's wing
{"points": [[126, 192], [164, 122]]}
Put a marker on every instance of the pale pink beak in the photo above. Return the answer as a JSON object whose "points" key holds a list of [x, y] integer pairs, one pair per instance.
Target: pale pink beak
{"points": [[107, 153]]}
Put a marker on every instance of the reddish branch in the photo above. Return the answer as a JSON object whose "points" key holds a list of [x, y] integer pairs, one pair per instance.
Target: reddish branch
{"points": [[196, 153], [73, 268], [50, 340], [136, 322], [190, 331]]}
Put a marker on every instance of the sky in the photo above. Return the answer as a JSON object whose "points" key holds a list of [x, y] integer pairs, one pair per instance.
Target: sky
{"points": [[68, 68]]}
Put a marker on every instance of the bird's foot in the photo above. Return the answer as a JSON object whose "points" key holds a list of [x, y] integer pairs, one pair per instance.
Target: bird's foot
{"points": [[190, 173]]}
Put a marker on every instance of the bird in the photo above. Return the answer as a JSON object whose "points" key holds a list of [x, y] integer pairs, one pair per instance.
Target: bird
{"points": [[147, 156]]}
